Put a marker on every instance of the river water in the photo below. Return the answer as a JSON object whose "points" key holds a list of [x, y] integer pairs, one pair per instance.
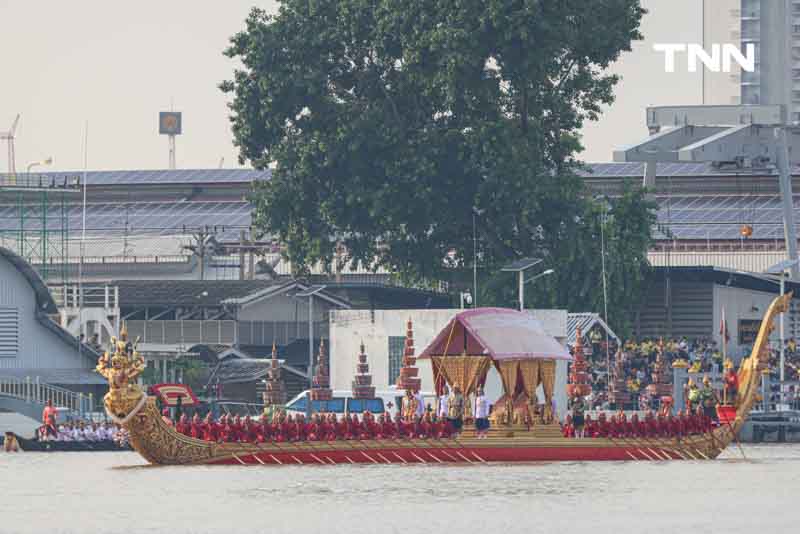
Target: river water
{"points": [[117, 492]]}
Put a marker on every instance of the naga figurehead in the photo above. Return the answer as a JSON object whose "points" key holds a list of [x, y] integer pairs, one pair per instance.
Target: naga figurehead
{"points": [[121, 368]]}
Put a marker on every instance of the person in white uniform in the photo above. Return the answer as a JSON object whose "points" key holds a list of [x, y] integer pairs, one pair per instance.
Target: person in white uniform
{"points": [[442, 413], [481, 414]]}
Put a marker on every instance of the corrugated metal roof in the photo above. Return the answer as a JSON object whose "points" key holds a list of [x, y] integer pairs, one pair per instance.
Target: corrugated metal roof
{"points": [[586, 321], [150, 177], [71, 377]]}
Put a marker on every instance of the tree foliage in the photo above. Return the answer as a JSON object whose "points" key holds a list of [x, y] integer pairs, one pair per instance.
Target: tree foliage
{"points": [[389, 121]]}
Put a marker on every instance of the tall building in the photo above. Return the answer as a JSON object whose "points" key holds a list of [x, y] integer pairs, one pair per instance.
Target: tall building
{"points": [[721, 24], [773, 27]]}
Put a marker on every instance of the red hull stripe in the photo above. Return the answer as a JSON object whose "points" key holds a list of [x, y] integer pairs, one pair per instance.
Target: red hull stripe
{"points": [[481, 455]]}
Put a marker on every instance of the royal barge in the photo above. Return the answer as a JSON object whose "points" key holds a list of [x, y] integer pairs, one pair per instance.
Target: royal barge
{"points": [[461, 354]]}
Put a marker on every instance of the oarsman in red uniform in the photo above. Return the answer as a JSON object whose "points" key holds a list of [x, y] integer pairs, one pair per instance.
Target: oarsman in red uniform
{"points": [[673, 426], [341, 427], [400, 427], [197, 427], [622, 425], [378, 426], [427, 426], [354, 429], [614, 430], [226, 432], [566, 429], [388, 429], [663, 427], [252, 430], [182, 426], [211, 430], [589, 427], [602, 426], [265, 430], [236, 429], [706, 423], [280, 430], [634, 426], [329, 427], [681, 421], [651, 426], [313, 428]]}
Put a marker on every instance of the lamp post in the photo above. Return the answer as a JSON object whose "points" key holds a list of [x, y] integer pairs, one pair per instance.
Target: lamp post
{"points": [[46, 161], [475, 213], [781, 269], [519, 267], [310, 292]]}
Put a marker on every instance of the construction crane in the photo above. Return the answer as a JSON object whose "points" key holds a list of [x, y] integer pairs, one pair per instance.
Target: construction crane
{"points": [[8, 137]]}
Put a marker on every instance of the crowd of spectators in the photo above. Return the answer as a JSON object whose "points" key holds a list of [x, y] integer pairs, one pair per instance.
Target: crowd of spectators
{"points": [[83, 431], [639, 362]]}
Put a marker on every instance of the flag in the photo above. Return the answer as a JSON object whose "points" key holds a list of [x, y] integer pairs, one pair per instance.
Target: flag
{"points": [[723, 328]]}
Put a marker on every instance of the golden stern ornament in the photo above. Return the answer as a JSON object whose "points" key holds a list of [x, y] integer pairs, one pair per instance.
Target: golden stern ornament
{"points": [[124, 397]]}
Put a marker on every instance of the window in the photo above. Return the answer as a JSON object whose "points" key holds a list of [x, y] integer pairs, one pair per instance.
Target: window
{"points": [[365, 405], [9, 332], [335, 405], [397, 345]]}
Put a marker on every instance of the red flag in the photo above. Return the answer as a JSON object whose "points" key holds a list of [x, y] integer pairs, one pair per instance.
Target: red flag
{"points": [[723, 328]]}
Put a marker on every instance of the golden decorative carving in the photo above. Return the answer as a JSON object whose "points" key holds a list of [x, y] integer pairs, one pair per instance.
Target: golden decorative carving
{"points": [[121, 370]]}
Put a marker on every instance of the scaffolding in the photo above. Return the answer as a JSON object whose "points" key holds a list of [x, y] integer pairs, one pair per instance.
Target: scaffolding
{"points": [[34, 221]]}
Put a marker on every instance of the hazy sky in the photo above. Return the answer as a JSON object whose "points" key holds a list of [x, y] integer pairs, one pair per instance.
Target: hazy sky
{"points": [[117, 64]]}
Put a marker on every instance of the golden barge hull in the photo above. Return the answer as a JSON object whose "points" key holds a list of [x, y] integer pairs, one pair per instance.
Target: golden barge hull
{"points": [[159, 443]]}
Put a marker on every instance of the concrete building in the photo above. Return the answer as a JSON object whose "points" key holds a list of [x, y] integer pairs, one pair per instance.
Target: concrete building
{"points": [[773, 27], [721, 24], [383, 334], [689, 301]]}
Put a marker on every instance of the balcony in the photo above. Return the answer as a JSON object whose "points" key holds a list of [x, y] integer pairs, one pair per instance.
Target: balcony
{"points": [[213, 332]]}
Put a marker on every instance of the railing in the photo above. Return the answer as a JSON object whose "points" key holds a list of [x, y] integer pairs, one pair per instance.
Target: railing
{"points": [[223, 332], [33, 391], [86, 296]]}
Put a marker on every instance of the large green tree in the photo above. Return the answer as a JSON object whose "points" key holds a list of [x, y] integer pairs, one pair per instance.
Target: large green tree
{"points": [[389, 121]]}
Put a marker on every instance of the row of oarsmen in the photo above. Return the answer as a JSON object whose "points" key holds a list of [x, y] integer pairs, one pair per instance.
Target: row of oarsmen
{"points": [[321, 427], [661, 426]]}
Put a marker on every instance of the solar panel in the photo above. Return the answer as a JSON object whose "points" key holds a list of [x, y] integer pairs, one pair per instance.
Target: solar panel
{"points": [[521, 264], [177, 176]]}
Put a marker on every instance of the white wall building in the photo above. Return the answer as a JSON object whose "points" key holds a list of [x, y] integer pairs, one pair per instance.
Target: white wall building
{"points": [[383, 333]]}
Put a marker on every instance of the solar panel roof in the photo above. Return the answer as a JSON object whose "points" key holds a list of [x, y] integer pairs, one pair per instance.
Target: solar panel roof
{"points": [[721, 216], [138, 218], [521, 264], [175, 176]]}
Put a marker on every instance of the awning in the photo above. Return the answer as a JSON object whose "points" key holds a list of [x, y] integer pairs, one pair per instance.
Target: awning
{"points": [[170, 393], [501, 333], [586, 321]]}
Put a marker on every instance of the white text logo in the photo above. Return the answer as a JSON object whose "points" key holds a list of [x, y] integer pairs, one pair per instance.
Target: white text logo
{"points": [[721, 58]]}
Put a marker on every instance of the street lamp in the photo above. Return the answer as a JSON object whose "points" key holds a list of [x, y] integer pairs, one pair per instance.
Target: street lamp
{"points": [[46, 161], [310, 292], [545, 273], [519, 267], [475, 213], [780, 269]]}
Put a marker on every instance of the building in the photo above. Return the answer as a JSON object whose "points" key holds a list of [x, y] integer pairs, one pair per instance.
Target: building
{"points": [[383, 333], [39, 360], [773, 27]]}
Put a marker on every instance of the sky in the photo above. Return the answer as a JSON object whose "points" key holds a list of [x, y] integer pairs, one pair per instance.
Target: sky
{"points": [[115, 65]]}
